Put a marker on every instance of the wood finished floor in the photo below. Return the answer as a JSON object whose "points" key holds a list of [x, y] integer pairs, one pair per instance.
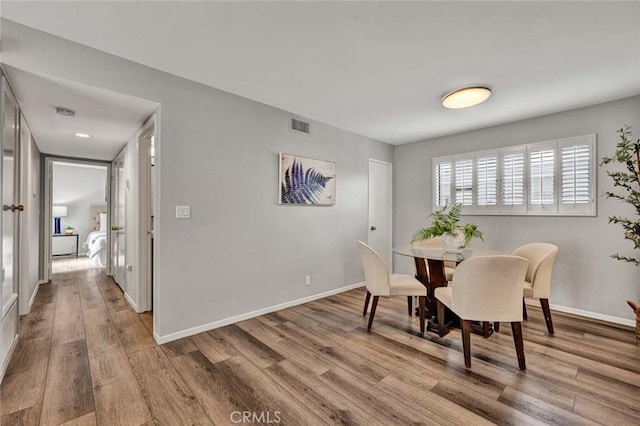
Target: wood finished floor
{"points": [[61, 265], [86, 358]]}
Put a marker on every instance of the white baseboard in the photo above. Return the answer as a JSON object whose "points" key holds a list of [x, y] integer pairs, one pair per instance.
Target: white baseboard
{"points": [[43, 282], [5, 364], [131, 302], [231, 320], [33, 297], [586, 314]]}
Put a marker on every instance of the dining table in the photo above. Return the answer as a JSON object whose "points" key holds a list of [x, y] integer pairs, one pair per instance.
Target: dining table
{"points": [[430, 271]]}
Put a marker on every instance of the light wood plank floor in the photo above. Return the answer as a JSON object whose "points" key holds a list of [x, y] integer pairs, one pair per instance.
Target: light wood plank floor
{"points": [[61, 265], [86, 358]]}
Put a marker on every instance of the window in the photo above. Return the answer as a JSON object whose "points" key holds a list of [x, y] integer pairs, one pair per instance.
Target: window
{"points": [[487, 166], [442, 182], [512, 180], [577, 179], [546, 178], [464, 181], [541, 168]]}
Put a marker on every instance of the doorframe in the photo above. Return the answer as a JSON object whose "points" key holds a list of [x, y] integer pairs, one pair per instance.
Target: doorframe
{"points": [[47, 171], [146, 282], [112, 214], [386, 163]]}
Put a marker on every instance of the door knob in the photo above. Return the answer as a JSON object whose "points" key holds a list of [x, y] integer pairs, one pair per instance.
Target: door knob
{"points": [[115, 228], [373, 228], [13, 207]]}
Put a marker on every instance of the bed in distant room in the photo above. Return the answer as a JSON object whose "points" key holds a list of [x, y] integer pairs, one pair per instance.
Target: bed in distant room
{"points": [[97, 239]]}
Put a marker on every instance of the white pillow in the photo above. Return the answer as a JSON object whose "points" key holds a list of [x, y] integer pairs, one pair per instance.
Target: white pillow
{"points": [[103, 222]]}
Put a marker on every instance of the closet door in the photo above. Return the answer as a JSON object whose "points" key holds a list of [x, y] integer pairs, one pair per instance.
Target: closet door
{"points": [[10, 210]]}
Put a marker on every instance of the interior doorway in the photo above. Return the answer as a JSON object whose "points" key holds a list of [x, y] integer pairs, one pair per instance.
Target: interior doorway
{"points": [[77, 205]]}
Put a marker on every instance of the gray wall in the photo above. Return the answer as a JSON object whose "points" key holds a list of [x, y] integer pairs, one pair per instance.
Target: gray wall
{"points": [[217, 152], [585, 277]]}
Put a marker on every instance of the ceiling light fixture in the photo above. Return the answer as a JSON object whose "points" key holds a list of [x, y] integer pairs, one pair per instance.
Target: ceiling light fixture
{"points": [[82, 135], [466, 97]]}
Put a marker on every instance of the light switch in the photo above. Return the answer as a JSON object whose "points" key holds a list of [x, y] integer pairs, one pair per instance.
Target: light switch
{"points": [[183, 212]]}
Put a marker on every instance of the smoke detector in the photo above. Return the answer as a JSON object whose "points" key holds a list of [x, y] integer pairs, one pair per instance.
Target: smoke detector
{"points": [[65, 112]]}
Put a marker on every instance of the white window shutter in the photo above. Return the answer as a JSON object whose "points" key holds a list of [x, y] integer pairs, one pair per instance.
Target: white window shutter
{"points": [[512, 180], [463, 181], [577, 176], [487, 181], [542, 176], [546, 178], [441, 182]]}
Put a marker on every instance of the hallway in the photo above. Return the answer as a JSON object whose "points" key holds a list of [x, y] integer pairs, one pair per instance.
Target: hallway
{"points": [[71, 361]]}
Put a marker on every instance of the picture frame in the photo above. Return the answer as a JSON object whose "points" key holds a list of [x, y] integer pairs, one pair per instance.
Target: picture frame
{"points": [[306, 181]]}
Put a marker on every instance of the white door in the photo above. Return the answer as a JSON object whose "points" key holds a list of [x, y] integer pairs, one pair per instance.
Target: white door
{"points": [[118, 221], [380, 181], [8, 289]]}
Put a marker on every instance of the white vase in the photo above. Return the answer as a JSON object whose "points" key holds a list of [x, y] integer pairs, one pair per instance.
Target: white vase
{"points": [[453, 242]]}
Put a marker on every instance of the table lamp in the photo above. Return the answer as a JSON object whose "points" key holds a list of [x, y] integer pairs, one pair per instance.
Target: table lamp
{"points": [[57, 213]]}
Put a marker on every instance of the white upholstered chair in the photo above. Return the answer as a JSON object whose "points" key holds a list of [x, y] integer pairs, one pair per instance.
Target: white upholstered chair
{"points": [[537, 282], [486, 288], [380, 283]]}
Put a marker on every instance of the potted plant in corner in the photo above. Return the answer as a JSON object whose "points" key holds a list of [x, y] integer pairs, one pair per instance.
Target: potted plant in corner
{"points": [[627, 178], [445, 224], [69, 230]]}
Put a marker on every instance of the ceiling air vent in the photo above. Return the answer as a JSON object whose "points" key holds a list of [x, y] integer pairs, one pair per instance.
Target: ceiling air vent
{"points": [[300, 126], [65, 112]]}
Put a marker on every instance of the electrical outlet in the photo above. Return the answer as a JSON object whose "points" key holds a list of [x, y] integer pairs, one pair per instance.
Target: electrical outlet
{"points": [[307, 280], [84, 245]]}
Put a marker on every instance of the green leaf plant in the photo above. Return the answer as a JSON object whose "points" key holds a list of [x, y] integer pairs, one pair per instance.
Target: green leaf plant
{"points": [[627, 180], [446, 221]]}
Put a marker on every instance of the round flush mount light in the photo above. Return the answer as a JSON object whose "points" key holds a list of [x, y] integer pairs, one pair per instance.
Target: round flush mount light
{"points": [[82, 135], [466, 97]]}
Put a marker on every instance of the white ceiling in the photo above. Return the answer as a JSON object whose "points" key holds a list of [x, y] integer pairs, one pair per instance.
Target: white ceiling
{"points": [[110, 118], [378, 69]]}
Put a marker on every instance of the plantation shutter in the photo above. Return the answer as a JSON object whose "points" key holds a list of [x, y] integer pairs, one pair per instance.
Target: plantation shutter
{"points": [[542, 175], [512, 195], [464, 180], [487, 181], [441, 181], [577, 179]]}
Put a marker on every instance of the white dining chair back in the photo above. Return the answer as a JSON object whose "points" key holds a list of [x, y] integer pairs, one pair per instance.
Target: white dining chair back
{"points": [[537, 283], [541, 258], [376, 274], [489, 288], [380, 283]]}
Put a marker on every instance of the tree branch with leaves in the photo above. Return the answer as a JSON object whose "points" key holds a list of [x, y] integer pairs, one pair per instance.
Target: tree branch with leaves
{"points": [[627, 154]]}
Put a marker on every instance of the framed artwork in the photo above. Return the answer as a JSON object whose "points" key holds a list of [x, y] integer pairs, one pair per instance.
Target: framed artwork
{"points": [[307, 181]]}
